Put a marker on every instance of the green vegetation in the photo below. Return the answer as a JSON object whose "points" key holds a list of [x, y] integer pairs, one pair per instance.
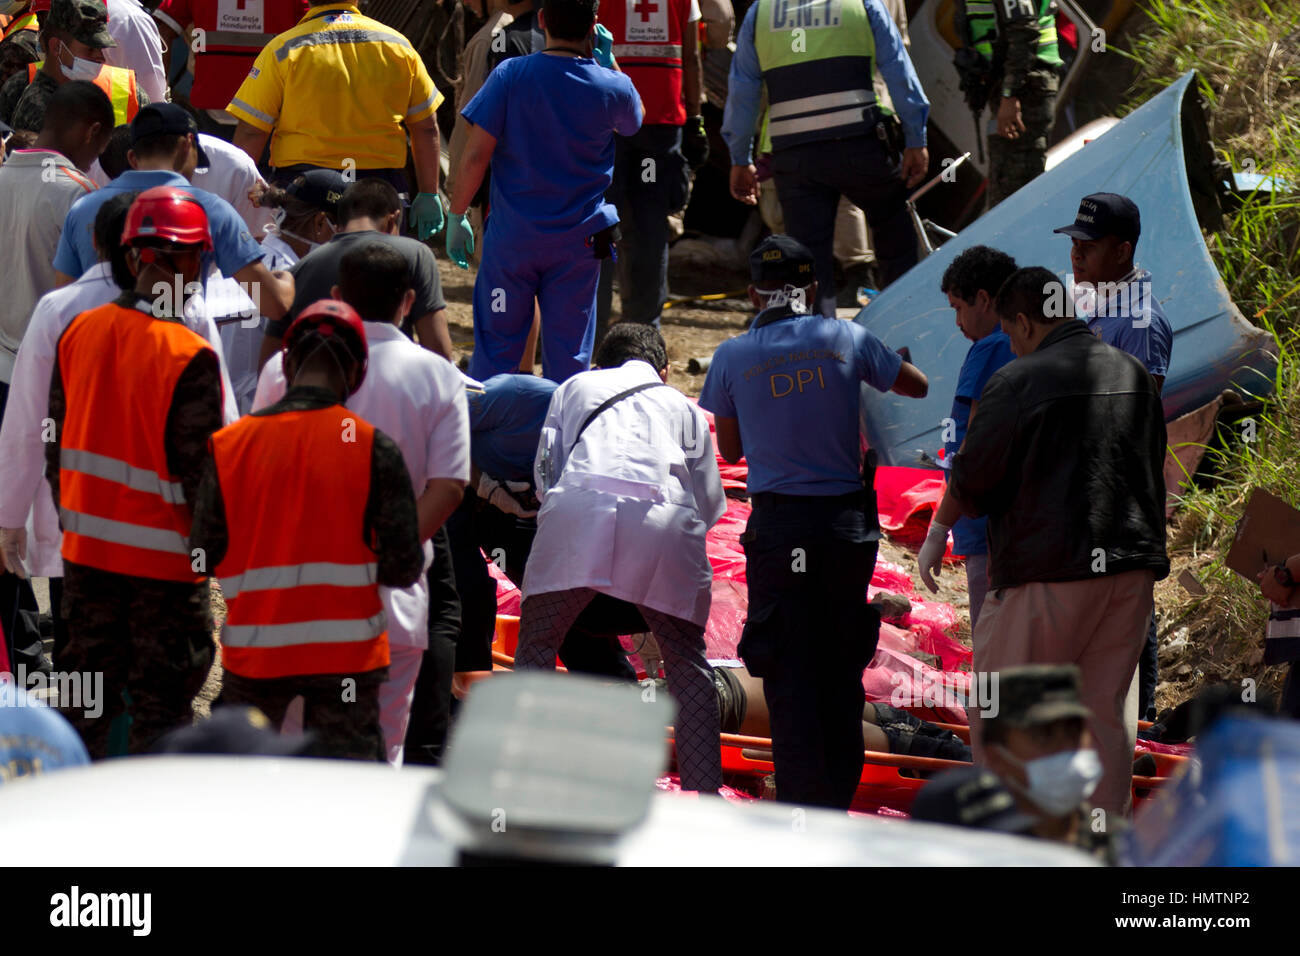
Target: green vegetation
{"points": [[1247, 58]]}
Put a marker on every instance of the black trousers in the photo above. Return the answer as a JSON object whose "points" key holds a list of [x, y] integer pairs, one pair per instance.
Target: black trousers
{"points": [[426, 733], [811, 177], [18, 607], [1148, 673], [809, 635]]}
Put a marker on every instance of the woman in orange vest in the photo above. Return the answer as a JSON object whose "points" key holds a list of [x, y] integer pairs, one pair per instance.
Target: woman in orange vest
{"points": [[134, 397], [302, 584]]}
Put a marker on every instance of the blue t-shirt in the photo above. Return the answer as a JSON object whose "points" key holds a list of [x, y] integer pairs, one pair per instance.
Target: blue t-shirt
{"points": [[233, 245], [1131, 319], [794, 384], [982, 359], [505, 423], [34, 739], [554, 120]]}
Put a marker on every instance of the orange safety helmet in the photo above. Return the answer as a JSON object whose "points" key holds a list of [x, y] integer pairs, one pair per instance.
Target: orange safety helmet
{"points": [[332, 318], [169, 214]]}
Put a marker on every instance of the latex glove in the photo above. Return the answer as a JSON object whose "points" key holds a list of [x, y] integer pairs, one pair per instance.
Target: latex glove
{"points": [[13, 550], [602, 50], [695, 142], [460, 240], [930, 559], [511, 497], [426, 215]]}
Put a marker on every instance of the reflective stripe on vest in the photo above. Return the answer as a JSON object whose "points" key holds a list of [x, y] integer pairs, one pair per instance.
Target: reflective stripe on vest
{"points": [[648, 47], [118, 84], [817, 58], [216, 38], [983, 20], [26, 22], [122, 509], [302, 594]]}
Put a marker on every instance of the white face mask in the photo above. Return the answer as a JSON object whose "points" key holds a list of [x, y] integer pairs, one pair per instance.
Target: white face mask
{"points": [[81, 69], [1059, 782]]}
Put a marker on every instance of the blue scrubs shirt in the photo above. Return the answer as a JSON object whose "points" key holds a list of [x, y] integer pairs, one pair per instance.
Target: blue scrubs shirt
{"points": [[233, 245], [552, 117], [982, 359], [505, 424], [794, 383]]}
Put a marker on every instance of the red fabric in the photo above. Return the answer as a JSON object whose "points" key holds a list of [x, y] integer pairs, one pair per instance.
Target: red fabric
{"points": [[906, 498]]}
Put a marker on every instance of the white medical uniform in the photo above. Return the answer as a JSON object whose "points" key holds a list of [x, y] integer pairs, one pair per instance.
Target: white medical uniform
{"points": [[139, 47], [626, 511], [417, 399]]}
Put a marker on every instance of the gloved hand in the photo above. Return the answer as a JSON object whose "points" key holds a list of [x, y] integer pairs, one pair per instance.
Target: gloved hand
{"points": [[511, 497], [602, 48], [930, 559], [460, 240], [695, 142], [13, 550], [426, 215]]}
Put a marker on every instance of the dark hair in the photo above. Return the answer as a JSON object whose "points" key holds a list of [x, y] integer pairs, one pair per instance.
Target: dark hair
{"points": [[994, 730], [976, 268], [296, 211], [158, 144], [373, 278], [109, 223], [77, 102], [371, 198], [626, 341], [1037, 292], [113, 159], [569, 19]]}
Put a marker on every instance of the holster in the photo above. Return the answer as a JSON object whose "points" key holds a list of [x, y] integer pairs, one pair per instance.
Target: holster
{"points": [[602, 243], [890, 131]]}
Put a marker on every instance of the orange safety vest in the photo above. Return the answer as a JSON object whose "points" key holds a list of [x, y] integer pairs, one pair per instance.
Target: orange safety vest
{"points": [[118, 84], [26, 21], [121, 507], [648, 48], [300, 583]]}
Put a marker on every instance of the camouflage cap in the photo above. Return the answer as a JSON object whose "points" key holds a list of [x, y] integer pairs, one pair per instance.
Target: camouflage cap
{"points": [[85, 20], [1039, 694]]}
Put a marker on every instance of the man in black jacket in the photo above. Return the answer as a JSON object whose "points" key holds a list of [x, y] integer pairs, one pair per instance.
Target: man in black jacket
{"points": [[1065, 457]]}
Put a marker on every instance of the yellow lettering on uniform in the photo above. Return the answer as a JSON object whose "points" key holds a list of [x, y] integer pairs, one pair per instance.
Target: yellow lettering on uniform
{"points": [[804, 380], [789, 389], [820, 381]]}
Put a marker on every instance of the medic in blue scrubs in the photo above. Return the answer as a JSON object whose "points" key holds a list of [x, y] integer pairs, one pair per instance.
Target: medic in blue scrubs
{"points": [[546, 124]]}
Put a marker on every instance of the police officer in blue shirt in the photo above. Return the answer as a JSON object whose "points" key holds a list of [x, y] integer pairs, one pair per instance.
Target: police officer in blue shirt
{"points": [[785, 395], [1114, 297], [971, 283]]}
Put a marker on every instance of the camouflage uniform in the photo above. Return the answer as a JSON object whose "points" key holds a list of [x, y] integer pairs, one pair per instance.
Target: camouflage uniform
{"points": [[151, 639], [343, 716], [1026, 62]]}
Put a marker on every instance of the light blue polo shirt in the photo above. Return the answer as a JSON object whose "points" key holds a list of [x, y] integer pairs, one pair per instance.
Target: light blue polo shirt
{"points": [[233, 245], [1131, 319], [794, 383], [505, 424]]}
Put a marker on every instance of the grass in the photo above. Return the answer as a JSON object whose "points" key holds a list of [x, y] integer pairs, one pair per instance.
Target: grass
{"points": [[1247, 58]]}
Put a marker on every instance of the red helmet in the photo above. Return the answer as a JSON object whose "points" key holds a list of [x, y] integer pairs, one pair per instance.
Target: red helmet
{"points": [[331, 317], [169, 214]]}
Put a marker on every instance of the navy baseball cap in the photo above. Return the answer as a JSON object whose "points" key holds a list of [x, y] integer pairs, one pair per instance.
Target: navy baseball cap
{"points": [[168, 118], [970, 797], [234, 730], [321, 188], [781, 258], [1105, 214]]}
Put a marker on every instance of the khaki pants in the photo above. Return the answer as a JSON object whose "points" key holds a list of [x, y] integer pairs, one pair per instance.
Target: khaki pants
{"points": [[1099, 624]]}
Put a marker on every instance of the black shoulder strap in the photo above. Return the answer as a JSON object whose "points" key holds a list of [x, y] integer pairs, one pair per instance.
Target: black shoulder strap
{"points": [[613, 400]]}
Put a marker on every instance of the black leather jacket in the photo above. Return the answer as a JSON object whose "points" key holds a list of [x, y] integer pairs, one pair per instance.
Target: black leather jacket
{"points": [[1066, 457]]}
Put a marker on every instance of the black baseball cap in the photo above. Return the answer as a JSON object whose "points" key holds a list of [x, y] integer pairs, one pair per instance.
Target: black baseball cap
{"points": [[1039, 694], [166, 118], [781, 258], [1105, 214], [234, 730], [322, 188], [970, 797]]}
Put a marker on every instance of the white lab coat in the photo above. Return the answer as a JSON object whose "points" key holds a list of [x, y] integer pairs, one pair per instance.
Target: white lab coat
{"points": [[417, 399], [25, 498], [139, 47], [626, 511], [231, 173]]}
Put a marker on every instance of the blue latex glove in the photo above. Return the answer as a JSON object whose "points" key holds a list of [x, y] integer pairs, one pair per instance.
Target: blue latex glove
{"points": [[426, 215], [460, 240], [602, 50]]}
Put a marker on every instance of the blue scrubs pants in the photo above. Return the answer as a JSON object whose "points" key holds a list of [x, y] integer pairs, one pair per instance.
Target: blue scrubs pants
{"points": [[562, 274]]}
